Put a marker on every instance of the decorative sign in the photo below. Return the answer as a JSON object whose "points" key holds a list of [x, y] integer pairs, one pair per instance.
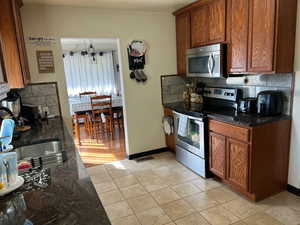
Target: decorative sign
{"points": [[136, 58], [42, 41], [45, 61]]}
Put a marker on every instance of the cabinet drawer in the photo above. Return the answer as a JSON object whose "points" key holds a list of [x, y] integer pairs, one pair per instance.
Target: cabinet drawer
{"points": [[239, 133]]}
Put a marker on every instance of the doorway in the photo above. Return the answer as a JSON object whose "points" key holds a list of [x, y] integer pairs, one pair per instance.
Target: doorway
{"points": [[94, 84]]}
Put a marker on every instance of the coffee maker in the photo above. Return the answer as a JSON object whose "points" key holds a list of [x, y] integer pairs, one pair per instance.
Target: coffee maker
{"points": [[13, 103]]}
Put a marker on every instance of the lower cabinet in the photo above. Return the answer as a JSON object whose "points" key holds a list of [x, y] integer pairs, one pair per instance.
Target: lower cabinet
{"points": [[238, 163], [253, 161], [217, 152]]}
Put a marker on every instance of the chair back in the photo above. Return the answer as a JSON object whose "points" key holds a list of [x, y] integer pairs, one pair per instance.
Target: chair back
{"points": [[87, 93], [101, 104]]}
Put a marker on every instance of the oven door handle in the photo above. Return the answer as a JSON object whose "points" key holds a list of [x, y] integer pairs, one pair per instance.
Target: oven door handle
{"points": [[188, 116]]}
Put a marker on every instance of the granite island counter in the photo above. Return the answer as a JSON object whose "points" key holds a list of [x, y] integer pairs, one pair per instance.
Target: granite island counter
{"points": [[69, 199]]}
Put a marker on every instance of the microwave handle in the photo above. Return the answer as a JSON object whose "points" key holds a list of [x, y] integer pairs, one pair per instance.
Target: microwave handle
{"points": [[210, 64]]}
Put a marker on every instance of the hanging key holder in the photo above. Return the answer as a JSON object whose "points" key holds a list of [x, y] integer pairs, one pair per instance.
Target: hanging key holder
{"points": [[136, 58]]}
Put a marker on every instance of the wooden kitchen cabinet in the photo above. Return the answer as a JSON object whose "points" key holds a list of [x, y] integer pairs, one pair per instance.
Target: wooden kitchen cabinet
{"points": [[237, 163], [238, 19], [170, 139], [253, 161], [13, 45], [217, 21], [208, 23], [183, 40], [200, 26], [217, 153], [261, 36]]}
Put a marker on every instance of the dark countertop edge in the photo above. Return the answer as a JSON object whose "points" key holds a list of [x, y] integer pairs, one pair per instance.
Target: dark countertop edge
{"points": [[240, 124], [223, 118]]}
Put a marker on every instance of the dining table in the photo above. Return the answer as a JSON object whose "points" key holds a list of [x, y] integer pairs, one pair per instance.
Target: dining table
{"points": [[83, 104]]}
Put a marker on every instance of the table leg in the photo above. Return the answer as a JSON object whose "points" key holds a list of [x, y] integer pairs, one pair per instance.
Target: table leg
{"points": [[77, 128]]}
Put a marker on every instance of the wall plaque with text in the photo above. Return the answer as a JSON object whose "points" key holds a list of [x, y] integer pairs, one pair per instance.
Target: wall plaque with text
{"points": [[45, 61]]}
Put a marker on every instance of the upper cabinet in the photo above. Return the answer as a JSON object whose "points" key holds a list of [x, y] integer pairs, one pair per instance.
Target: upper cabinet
{"points": [[208, 23], [238, 17], [183, 40], [199, 24], [260, 34], [13, 45], [217, 21]]}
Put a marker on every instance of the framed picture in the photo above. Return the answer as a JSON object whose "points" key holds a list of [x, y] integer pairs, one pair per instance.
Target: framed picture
{"points": [[45, 61]]}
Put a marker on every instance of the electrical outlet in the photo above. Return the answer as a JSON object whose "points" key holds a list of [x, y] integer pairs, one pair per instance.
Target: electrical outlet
{"points": [[46, 110]]}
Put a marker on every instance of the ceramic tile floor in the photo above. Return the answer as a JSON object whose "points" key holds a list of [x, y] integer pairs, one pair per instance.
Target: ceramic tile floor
{"points": [[162, 191]]}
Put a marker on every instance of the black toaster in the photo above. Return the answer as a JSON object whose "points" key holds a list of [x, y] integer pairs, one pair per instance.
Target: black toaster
{"points": [[270, 103]]}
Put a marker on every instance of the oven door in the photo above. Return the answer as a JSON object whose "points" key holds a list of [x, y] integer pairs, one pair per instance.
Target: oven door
{"points": [[205, 64], [189, 133]]}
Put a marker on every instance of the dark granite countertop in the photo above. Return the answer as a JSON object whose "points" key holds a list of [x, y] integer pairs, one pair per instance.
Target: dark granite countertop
{"points": [[70, 198], [224, 115]]}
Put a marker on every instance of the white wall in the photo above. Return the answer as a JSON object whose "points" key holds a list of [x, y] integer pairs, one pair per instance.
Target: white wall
{"points": [[294, 170], [143, 101]]}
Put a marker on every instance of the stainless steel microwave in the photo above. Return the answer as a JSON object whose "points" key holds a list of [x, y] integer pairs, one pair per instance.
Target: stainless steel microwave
{"points": [[207, 61]]}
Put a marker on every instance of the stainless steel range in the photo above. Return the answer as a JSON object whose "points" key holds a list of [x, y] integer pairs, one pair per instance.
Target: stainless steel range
{"points": [[191, 128]]}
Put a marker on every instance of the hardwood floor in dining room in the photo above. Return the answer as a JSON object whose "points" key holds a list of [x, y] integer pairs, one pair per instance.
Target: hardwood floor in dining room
{"points": [[103, 150]]}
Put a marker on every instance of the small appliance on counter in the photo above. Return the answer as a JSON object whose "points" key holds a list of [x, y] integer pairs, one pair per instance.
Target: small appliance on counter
{"points": [[270, 103], [248, 105], [13, 103]]}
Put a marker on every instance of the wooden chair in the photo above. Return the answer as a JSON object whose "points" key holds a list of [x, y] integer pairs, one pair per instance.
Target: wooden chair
{"points": [[102, 107], [118, 116], [84, 115], [87, 93]]}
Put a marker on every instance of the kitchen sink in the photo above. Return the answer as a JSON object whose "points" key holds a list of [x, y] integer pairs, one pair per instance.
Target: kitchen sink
{"points": [[42, 154]]}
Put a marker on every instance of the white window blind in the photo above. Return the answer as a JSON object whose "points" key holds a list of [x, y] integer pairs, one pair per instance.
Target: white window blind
{"points": [[84, 74]]}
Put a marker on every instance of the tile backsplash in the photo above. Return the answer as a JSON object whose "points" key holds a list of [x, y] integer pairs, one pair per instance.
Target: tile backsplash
{"points": [[44, 94], [173, 86]]}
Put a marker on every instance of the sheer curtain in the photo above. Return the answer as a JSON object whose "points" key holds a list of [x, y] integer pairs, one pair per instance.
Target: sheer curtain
{"points": [[84, 74]]}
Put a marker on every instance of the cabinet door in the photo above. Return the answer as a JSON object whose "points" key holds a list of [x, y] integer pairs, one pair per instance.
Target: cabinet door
{"points": [[217, 21], [200, 25], [261, 35], [238, 16], [217, 154], [17, 4], [183, 38], [10, 49], [238, 163]]}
